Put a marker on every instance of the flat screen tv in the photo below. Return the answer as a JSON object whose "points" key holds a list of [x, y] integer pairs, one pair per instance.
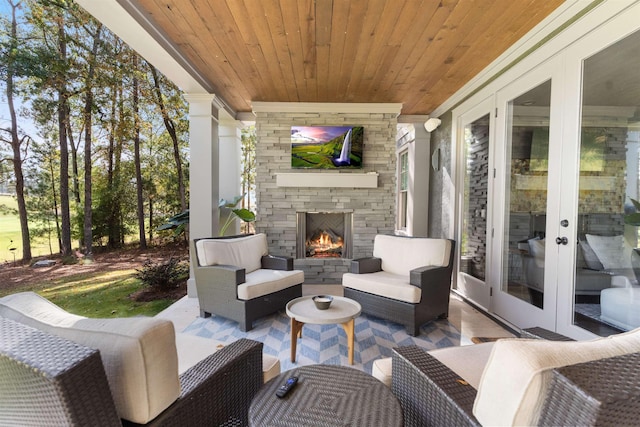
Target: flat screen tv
{"points": [[326, 147]]}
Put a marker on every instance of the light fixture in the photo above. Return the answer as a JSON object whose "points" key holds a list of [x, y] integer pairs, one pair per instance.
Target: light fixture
{"points": [[432, 124]]}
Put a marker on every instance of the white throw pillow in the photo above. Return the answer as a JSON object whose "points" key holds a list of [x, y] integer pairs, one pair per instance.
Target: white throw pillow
{"points": [[612, 251], [515, 381]]}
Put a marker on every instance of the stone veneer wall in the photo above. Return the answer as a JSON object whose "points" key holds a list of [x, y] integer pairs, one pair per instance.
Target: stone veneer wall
{"points": [[373, 208]]}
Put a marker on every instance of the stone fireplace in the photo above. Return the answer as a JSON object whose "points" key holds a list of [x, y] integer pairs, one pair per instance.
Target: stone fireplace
{"points": [[289, 198], [324, 235]]}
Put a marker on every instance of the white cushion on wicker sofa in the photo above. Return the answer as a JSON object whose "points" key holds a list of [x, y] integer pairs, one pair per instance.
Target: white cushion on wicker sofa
{"points": [[192, 349], [138, 354], [247, 252], [466, 361], [515, 380], [398, 257]]}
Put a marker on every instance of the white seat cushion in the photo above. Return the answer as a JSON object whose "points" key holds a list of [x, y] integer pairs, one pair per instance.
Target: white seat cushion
{"points": [[467, 361], [244, 252], [384, 284], [139, 354], [516, 378], [263, 282], [192, 349]]}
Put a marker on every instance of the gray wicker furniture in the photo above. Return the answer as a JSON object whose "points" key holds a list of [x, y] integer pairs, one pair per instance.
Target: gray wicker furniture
{"points": [[602, 392], [326, 395], [411, 296], [237, 279], [48, 380]]}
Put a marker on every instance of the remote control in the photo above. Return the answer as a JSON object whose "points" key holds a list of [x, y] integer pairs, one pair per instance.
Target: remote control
{"points": [[284, 388]]}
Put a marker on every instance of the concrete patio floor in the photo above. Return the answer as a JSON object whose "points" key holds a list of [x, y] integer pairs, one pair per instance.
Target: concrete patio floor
{"points": [[469, 321]]}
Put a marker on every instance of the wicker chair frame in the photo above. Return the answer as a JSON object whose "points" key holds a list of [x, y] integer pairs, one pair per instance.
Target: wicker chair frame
{"points": [[217, 290], [604, 392], [48, 380]]}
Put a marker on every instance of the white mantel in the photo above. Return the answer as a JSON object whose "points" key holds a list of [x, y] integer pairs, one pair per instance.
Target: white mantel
{"points": [[328, 180]]}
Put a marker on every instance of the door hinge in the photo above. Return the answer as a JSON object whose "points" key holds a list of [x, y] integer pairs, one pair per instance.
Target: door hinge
{"points": [[496, 113], [494, 172], [490, 292], [492, 232]]}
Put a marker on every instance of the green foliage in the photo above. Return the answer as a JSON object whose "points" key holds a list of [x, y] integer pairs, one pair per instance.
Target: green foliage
{"points": [[233, 213], [178, 223], [164, 274]]}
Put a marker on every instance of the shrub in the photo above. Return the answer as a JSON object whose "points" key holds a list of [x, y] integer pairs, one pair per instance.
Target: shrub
{"points": [[164, 274]]}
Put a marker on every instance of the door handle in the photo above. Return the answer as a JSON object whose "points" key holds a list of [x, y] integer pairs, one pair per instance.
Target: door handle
{"points": [[562, 240]]}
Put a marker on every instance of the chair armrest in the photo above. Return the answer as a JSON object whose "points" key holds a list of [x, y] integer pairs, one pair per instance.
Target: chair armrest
{"points": [[220, 274], [542, 333], [366, 265], [272, 262], [219, 389], [430, 393], [600, 392], [430, 275]]}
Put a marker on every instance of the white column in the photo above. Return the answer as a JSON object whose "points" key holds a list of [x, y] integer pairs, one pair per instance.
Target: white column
{"points": [[230, 152], [419, 169], [203, 170]]}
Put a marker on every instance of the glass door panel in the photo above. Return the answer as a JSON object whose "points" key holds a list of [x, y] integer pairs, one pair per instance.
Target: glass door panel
{"points": [[526, 208], [473, 248], [606, 296]]}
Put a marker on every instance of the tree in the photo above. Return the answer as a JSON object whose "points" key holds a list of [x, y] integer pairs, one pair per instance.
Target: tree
{"points": [[16, 65], [136, 145]]}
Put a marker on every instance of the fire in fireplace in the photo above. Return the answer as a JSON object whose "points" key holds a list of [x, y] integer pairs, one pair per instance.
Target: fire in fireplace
{"points": [[324, 234], [324, 244]]}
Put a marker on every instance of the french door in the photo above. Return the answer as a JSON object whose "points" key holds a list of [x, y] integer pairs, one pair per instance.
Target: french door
{"points": [[528, 230], [474, 129]]}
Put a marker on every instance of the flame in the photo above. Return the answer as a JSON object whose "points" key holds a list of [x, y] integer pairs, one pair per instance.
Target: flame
{"points": [[325, 246]]}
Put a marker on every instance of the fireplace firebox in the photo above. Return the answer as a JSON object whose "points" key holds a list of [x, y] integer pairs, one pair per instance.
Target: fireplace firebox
{"points": [[324, 235]]}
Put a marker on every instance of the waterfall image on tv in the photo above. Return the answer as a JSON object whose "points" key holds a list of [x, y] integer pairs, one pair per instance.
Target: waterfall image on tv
{"points": [[326, 147]]}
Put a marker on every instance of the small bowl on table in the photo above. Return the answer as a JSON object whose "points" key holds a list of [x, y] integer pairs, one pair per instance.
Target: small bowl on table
{"points": [[322, 302]]}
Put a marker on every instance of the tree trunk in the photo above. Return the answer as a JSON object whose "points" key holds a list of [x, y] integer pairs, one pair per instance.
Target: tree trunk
{"points": [[63, 116], [87, 228], [16, 142], [169, 125], [136, 144]]}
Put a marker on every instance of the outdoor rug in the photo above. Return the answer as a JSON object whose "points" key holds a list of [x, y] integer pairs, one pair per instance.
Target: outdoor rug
{"points": [[327, 344]]}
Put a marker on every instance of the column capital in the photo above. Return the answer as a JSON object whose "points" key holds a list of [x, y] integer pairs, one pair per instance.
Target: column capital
{"points": [[201, 98]]}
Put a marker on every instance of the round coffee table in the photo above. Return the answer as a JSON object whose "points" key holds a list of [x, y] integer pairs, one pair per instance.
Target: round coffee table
{"points": [[303, 310], [326, 395]]}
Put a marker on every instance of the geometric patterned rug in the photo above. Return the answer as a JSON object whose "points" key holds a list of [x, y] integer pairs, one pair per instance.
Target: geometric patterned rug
{"points": [[327, 344]]}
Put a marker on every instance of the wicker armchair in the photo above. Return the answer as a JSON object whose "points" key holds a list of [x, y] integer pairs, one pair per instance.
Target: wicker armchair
{"points": [[407, 280], [603, 392], [48, 380], [237, 279]]}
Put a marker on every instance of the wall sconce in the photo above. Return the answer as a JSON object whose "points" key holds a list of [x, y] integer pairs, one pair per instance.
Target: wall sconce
{"points": [[435, 159], [432, 124]]}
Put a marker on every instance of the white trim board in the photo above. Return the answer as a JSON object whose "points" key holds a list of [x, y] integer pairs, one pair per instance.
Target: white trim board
{"points": [[327, 180]]}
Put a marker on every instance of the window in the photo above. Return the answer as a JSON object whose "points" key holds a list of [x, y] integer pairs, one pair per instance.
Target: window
{"points": [[403, 191]]}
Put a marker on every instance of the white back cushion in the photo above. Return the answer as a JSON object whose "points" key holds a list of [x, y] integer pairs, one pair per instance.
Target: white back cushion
{"points": [[244, 252], [516, 378], [399, 255], [139, 354]]}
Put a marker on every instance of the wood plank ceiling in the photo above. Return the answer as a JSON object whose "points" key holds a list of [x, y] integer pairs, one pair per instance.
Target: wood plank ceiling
{"points": [[416, 52]]}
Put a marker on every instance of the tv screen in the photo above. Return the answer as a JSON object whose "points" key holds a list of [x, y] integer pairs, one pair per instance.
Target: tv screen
{"points": [[326, 147]]}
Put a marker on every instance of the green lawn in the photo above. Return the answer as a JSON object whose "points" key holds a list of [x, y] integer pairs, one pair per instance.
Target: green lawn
{"points": [[10, 236], [101, 295]]}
